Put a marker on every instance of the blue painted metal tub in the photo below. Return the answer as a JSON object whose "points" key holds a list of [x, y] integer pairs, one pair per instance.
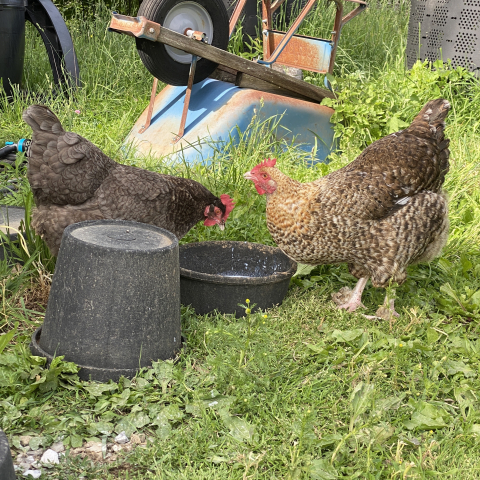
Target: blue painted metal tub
{"points": [[216, 110]]}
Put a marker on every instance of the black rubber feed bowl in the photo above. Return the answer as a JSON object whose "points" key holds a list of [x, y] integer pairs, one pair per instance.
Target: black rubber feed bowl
{"points": [[220, 275]]}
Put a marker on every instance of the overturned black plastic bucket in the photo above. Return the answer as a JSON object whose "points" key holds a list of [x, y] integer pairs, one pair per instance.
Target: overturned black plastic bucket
{"points": [[114, 305], [7, 472], [220, 275]]}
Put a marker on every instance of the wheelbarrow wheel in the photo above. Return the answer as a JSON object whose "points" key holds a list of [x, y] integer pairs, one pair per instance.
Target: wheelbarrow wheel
{"points": [[169, 64]]}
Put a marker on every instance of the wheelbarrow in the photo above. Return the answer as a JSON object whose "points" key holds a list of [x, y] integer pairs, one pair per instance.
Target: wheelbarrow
{"points": [[213, 95]]}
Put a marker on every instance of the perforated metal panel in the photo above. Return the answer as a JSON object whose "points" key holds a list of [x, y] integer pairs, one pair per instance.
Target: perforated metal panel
{"points": [[447, 29]]}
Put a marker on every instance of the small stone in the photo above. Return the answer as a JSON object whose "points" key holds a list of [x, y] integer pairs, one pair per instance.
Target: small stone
{"points": [[32, 473], [21, 457], [117, 448], [77, 451], [121, 438], [58, 447], [93, 446], [36, 453], [94, 450], [135, 439], [25, 440], [49, 456]]}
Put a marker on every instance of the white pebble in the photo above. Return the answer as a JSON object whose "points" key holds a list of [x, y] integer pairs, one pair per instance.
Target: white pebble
{"points": [[121, 438], [50, 456]]}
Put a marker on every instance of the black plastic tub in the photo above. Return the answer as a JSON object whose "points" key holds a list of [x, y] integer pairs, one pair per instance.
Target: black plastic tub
{"points": [[220, 275], [7, 471]]}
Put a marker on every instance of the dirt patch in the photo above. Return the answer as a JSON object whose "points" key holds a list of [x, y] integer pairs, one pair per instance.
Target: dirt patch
{"points": [[35, 296]]}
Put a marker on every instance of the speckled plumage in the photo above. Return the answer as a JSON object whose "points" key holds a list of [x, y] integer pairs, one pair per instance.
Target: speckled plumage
{"points": [[382, 212], [72, 180]]}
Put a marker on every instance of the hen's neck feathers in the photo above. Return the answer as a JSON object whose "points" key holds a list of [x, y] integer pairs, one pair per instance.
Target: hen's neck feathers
{"points": [[288, 186]]}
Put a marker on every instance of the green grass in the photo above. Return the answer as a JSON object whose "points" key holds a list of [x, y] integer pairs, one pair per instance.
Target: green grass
{"points": [[308, 391]]}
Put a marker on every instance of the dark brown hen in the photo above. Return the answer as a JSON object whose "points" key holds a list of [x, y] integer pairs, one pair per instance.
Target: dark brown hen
{"points": [[381, 213], [73, 180]]}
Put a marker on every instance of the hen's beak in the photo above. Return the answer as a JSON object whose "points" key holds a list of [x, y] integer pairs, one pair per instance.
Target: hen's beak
{"points": [[248, 176], [221, 225]]}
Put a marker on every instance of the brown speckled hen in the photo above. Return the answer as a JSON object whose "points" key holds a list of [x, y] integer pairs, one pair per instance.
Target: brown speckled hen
{"points": [[382, 212], [73, 180]]}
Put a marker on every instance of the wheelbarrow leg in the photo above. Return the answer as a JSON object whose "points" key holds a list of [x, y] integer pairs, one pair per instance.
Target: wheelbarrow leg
{"points": [[150, 106], [186, 102]]}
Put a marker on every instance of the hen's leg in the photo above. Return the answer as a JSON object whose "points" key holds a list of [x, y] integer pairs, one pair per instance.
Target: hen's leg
{"points": [[350, 299], [387, 310]]}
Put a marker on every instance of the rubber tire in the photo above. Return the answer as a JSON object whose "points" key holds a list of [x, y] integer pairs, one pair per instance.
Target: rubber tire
{"points": [[156, 58]]}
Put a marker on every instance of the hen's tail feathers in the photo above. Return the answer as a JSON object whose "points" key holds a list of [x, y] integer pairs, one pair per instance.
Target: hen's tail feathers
{"points": [[42, 119], [432, 116], [430, 124]]}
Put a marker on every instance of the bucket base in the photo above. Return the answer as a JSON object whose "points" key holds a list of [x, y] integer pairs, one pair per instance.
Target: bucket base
{"points": [[86, 372]]}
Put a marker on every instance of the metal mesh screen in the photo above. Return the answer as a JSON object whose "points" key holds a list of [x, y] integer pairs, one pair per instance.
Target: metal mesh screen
{"points": [[252, 12], [445, 29]]}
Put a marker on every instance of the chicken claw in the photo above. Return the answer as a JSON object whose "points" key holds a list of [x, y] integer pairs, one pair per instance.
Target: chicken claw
{"points": [[385, 312], [349, 299]]}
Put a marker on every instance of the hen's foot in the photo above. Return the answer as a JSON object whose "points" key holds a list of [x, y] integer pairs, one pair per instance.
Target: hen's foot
{"points": [[385, 312], [349, 299]]}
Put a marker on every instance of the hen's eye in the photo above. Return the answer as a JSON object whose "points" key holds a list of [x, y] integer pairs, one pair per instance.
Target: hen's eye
{"points": [[264, 175]]}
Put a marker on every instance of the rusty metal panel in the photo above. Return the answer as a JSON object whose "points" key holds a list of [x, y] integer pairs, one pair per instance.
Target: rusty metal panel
{"points": [[217, 111], [307, 53], [139, 27]]}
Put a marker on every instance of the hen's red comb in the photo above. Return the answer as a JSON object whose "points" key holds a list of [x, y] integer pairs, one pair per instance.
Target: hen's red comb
{"points": [[269, 162], [229, 204]]}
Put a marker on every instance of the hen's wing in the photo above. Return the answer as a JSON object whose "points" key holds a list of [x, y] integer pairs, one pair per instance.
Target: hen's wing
{"points": [[173, 203], [49, 221], [64, 168], [392, 168]]}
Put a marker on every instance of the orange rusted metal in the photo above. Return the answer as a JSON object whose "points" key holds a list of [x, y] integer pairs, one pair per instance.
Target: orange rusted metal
{"points": [[307, 53], [150, 106], [236, 15], [139, 27], [299, 51], [266, 26], [276, 5], [337, 28], [276, 51], [186, 102], [195, 34]]}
